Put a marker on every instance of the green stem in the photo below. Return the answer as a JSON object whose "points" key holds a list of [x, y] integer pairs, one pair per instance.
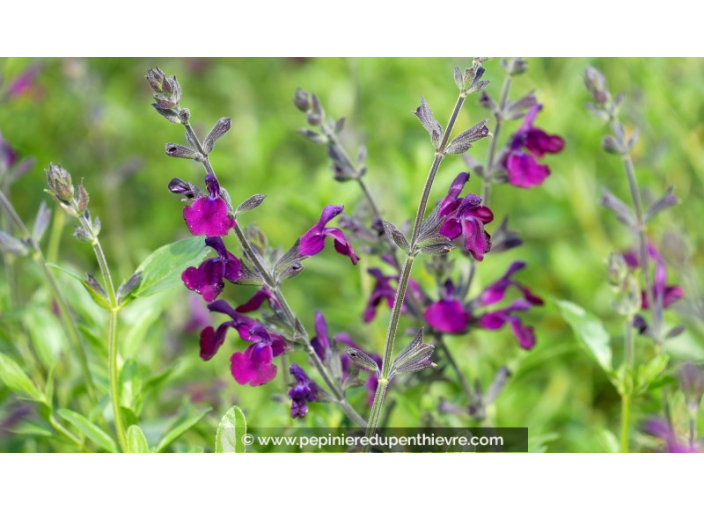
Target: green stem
{"points": [[463, 380], [113, 369], [626, 395], [66, 319], [643, 247], [625, 421], [408, 266], [62, 430], [486, 188]]}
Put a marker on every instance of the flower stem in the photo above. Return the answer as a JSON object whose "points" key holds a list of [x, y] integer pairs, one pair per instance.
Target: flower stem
{"points": [[655, 308], [487, 184], [273, 285], [66, 319], [625, 421], [113, 372], [406, 271], [626, 393]]}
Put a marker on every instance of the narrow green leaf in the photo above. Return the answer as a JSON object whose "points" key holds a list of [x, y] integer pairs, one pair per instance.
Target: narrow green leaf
{"points": [[590, 330], [162, 269], [98, 298], [12, 375], [88, 429], [233, 426], [179, 430], [136, 442], [650, 372]]}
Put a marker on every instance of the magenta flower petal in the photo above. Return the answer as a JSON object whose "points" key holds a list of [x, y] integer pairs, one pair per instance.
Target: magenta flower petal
{"points": [[540, 143], [321, 341], [313, 241], [257, 300], [524, 334], [382, 291], [253, 366], [448, 316], [211, 340], [207, 278], [208, 216], [524, 171], [476, 240]]}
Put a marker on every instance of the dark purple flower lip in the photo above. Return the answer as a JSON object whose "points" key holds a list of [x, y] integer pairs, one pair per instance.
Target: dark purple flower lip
{"points": [[207, 278], [209, 215], [466, 217], [313, 241]]}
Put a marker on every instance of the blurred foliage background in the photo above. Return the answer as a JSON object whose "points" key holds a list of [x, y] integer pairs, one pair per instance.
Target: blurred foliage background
{"points": [[94, 118]]}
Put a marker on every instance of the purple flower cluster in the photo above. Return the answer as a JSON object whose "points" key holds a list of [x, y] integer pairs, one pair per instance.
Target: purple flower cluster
{"points": [[522, 166], [452, 315], [302, 393]]}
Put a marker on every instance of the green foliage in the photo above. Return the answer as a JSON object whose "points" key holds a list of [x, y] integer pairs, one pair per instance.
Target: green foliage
{"points": [[590, 331], [12, 376], [136, 440], [88, 429], [233, 426]]}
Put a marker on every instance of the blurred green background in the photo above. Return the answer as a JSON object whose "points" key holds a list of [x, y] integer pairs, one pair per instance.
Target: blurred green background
{"points": [[94, 118]]}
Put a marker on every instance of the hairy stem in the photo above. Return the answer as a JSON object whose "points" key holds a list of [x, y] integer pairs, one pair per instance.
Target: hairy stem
{"points": [[273, 285], [66, 319], [626, 395], [655, 307], [408, 266], [113, 371], [487, 184]]}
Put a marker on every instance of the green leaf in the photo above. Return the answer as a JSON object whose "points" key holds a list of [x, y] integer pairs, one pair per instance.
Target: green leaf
{"points": [[99, 298], [162, 269], [649, 373], [181, 428], [46, 334], [88, 429], [136, 442], [12, 375], [590, 330], [233, 426]]}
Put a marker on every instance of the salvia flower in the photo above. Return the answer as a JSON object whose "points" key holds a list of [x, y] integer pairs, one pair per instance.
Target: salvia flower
{"points": [[663, 294], [207, 278], [321, 341], [466, 217], [522, 167], [659, 427], [257, 300], [449, 314], [313, 241], [255, 365], [302, 393], [382, 291], [498, 319], [452, 315], [209, 215], [497, 290]]}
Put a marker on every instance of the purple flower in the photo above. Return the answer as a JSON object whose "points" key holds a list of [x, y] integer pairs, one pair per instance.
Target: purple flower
{"points": [[659, 427], [7, 155], [253, 366], [207, 278], [257, 300], [466, 217], [523, 168], [321, 341], [303, 392], [497, 290], [662, 293], [498, 319], [313, 241], [449, 314], [373, 380], [209, 215], [382, 291], [25, 81]]}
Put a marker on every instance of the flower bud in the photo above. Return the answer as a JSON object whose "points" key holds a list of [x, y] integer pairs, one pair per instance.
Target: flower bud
{"points": [[617, 269], [82, 198], [59, 181], [302, 100]]}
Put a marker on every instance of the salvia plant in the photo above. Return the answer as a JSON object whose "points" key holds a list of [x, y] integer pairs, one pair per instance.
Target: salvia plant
{"points": [[433, 275]]}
